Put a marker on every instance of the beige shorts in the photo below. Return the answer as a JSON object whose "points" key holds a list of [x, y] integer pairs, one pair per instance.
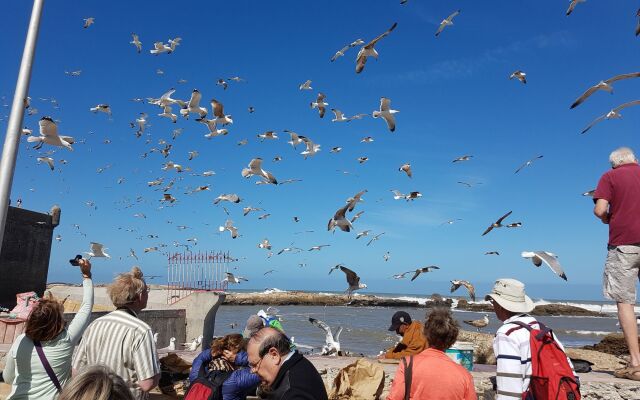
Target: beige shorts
{"points": [[621, 273]]}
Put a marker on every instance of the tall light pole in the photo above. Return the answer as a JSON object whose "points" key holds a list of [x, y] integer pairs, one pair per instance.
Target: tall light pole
{"points": [[12, 140]]}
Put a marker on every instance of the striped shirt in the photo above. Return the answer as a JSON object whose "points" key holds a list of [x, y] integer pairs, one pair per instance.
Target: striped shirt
{"points": [[513, 357], [123, 343]]}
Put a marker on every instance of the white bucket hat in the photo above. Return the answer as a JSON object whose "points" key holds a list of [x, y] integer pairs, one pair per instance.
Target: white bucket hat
{"points": [[509, 293]]}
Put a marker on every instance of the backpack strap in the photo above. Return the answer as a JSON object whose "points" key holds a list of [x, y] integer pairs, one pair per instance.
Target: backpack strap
{"points": [[522, 325], [47, 366], [408, 374]]}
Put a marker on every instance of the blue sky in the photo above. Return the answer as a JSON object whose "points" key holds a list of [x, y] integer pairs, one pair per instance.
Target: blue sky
{"points": [[454, 98]]}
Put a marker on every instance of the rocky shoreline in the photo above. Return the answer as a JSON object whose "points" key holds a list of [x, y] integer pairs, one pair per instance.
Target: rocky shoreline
{"points": [[299, 298]]}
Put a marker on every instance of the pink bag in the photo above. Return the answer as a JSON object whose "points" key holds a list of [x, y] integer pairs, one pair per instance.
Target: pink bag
{"points": [[25, 303]]}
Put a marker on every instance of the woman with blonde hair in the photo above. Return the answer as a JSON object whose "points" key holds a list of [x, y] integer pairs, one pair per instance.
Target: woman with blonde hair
{"points": [[226, 361], [39, 361], [96, 383]]}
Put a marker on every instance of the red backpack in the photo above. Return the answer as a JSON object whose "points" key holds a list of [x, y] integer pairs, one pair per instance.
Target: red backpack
{"points": [[551, 375]]}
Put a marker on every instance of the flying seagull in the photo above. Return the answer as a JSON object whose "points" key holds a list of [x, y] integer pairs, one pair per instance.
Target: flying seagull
{"points": [[537, 257], [97, 250], [419, 271], [368, 50], [406, 168], [605, 85], [519, 75], [339, 220], [306, 85], [48, 160], [447, 22], [613, 114], [136, 42], [233, 279], [373, 239], [386, 113], [320, 104], [218, 111], [49, 135], [490, 253], [105, 108], [228, 226], [255, 168], [88, 22], [341, 52], [528, 163], [332, 343], [498, 223], [230, 197], [638, 25], [462, 158], [478, 323], [193, 106], [265, 244], [455, 284], [353, 280], [573, 4]]}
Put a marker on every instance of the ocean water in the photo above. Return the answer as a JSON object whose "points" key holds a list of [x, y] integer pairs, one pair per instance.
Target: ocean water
{"points": [[365, 328]]}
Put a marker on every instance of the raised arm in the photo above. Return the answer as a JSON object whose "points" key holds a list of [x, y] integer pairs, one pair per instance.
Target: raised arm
{"points": [[81, 320]]}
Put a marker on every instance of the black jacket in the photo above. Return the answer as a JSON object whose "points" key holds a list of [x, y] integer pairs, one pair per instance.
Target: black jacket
{"points": [[297, 379]]}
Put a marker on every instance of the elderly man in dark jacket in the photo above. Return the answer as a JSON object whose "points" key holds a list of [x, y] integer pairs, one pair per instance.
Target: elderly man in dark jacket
{"points": [[285, 373]]}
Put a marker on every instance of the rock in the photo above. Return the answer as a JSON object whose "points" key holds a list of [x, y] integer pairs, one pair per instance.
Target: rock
{"points": [[601, 361], [613, 343], [563, 309], [465, 305], [483, 346]]}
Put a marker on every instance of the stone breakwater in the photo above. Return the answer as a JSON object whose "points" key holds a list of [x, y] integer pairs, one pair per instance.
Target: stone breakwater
{"points": [[298, 298]]}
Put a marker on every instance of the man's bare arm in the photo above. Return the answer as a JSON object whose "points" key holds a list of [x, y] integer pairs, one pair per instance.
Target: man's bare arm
{"points": [[601, 210]]}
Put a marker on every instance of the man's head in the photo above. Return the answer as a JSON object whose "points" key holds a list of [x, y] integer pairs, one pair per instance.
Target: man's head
{"points": [[129, 290], [508, 298], [400, 322], [266, 352], [254, 324], [621, 156], [440, 329]]}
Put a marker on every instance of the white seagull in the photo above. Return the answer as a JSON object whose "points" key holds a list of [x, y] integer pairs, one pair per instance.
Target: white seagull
{"points": [[193, 106], [255, 168], [228, 226], [49, 135], [605, 85], [447, 22], [97, 250], [422, 270], [537, 257], [233, 279], [332, 343], [136, 42], [47, 160], [218, 111], [368, 50], [88, 22], [167, 113], [386, 113], [573, 4], [320, 104], [306, 85], [105, 108], [613, 114], [478, 323]]}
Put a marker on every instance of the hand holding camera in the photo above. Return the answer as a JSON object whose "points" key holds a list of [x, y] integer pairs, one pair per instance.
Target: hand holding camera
{"points": [[84, 264]]}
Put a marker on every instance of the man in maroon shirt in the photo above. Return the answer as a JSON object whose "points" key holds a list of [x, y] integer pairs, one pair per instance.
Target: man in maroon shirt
{"points": [[617, 203]]}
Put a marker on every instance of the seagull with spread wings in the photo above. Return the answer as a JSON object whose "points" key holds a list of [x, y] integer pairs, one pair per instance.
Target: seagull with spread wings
{"points": [[368, 50], [498, 223], [230, 197], [353, 280], [339, 220], [373, 239], [447, 22], [229, 277], [406, 168], [88, 22], [255, 168], [455, 284], [228, 226], [573, 4], [97, 250], [519, 75], [47, 160], [528, 163], [423, 270], [320, 104], [332, 342], [538, 257], [49, 135], [605, 85], [306, 85], [193, 106], [136, 42], [386, 113], [613, 114], [218, 112]]}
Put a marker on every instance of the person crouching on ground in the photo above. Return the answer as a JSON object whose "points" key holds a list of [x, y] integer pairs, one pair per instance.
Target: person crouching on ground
{"points": [[413, 341], [433, 374], [45, 331], [511, 344], [227, 356], [285, 373]]}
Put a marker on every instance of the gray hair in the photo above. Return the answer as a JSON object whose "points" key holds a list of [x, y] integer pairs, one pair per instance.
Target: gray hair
{"points": [[268, 338], [621, 156]]}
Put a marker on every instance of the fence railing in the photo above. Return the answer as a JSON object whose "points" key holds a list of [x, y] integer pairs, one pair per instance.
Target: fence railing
{"points": [[202, 271]]}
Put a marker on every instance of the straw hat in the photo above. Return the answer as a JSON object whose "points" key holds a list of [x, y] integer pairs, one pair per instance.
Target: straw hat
{"points": [[509, 293]]}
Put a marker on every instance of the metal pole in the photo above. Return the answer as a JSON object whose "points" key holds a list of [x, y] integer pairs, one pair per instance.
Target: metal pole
{"points": [[12, 139]]}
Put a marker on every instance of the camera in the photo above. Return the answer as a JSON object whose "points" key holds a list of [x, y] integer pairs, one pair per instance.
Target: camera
{"points": [[76, 261]]}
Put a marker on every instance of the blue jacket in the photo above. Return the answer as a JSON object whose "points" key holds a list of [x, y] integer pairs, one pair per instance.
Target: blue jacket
{"points": [[238, 384]]}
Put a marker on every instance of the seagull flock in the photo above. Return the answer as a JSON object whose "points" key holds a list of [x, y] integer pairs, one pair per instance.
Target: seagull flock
{"points": [[210, 119]]}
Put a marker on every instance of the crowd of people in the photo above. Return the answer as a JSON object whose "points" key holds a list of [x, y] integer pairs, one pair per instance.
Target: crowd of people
{"points": [[116, 355]]}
